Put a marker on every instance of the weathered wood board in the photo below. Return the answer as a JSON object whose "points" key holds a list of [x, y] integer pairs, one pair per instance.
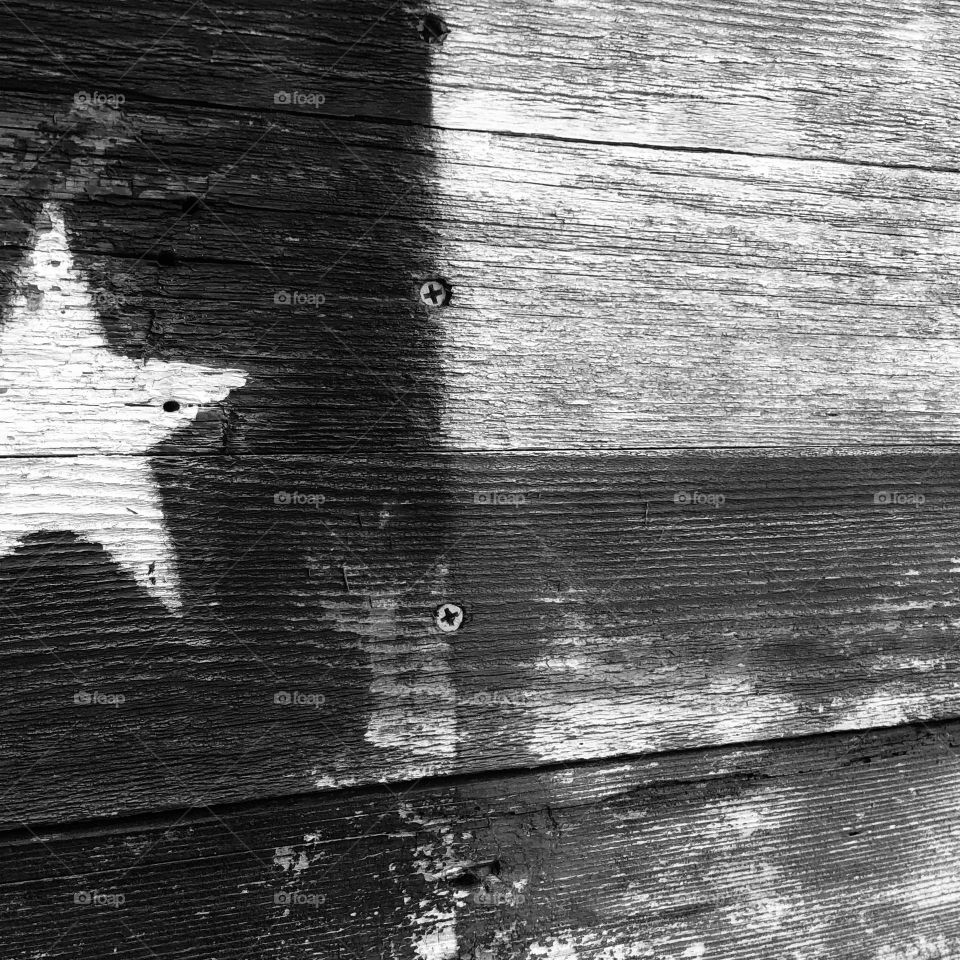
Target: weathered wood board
{"points": [[602, 295], [840, 848], [242, 608], [615, 605], [798, 604], [853, 80]]}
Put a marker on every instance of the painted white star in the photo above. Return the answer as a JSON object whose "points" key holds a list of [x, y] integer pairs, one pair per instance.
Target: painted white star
{"points": [[63, 391]]}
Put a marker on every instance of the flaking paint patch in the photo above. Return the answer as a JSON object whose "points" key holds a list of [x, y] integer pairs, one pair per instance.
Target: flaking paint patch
{"points": [[288, 859], [439, 941], [294, 862], [63, 390], [561, 948], [886, 707], [435, 859]]}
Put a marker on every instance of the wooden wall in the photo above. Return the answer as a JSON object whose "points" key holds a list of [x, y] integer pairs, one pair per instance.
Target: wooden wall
{"points": [[682, 446]]}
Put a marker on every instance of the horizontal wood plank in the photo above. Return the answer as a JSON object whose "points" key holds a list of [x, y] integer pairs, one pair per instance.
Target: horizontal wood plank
{"points": [[843, 848], [601, 295], [614, 605], [854, 80]]}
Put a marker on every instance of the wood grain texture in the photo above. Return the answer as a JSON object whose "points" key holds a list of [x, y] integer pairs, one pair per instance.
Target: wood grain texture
{"points": [[615, 605], [618, 284], [602, 295], [852, 80], [840, 848]]}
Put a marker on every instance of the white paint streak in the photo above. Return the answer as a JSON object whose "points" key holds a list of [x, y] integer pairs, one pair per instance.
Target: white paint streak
{"points": [[885, 707], [413, 704], [439, 941], [632, 722], [63, 390], [414, 714], [289, 859]]}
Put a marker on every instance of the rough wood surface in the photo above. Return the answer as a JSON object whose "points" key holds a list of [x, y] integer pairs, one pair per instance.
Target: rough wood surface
{"points": [[854, 79], [843, 848], [615, 605], [602, 295], [667, 226]]}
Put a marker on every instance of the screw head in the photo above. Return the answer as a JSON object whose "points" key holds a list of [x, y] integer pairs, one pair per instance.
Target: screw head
{"points": [[448, 617], [432, 29], [436, 293]]}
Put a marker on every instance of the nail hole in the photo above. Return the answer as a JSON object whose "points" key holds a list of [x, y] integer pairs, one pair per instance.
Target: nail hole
{"points": [[171, 406], [167, 258], [192, 205]]}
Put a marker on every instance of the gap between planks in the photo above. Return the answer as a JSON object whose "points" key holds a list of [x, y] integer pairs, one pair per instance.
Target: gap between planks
{"points": [[46, 831]]}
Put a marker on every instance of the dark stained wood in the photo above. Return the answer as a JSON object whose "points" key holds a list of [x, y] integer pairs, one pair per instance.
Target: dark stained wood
{"points": [[360, 58], [604, 618], [854, 80], [839, 848]]}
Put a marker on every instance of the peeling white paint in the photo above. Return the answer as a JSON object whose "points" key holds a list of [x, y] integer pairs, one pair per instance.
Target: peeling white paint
{"points": [[885, 707], [289, 859], [439, 941], [64, 391], [435, 859], [557, 949]]}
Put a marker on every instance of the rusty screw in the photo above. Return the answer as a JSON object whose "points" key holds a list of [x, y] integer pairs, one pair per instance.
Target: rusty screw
{"points": [[436, 293], [448, 617], [432, 29]]}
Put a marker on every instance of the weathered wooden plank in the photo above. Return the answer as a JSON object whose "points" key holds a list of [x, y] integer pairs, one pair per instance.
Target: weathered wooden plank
{"points": [[602, 295], [335, 58], [858, 79], [841, 848], [853, 80], [365, 366], [614, 605]]}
